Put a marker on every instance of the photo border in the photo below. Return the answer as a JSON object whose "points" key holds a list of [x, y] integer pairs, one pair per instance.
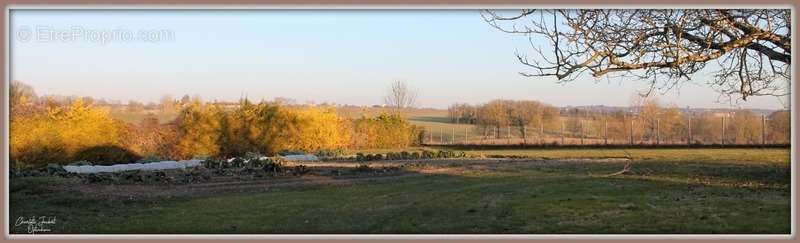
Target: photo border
{"points": [[377, 5]]}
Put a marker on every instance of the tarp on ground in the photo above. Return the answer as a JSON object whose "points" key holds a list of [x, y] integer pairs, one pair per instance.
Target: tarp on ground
{"points": [[162, 165], [300, 157]]}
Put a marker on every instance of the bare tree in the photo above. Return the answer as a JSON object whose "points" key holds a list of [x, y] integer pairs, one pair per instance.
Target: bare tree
{"points": [[400, 96], [167, 103], [749, 49], [462, 113], [21, 97]]}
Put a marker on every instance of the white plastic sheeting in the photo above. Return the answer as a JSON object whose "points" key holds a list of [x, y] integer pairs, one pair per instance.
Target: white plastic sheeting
{"points": [[247, 160], [300, 157], [163, 165]]}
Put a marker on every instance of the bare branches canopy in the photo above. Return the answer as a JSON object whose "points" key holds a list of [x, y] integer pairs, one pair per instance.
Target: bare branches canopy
{"points": [[747, 51], [400, 96]]}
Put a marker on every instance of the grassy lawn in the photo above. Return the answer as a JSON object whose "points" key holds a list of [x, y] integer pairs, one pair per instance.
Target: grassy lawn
{"points": [[671, 191]]}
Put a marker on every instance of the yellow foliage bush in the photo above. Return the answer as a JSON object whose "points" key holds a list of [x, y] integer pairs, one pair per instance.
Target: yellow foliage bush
{"points": [[56, 135], [265, 128], [199, 129], [64, 133], [319, 128], [384, 131]]}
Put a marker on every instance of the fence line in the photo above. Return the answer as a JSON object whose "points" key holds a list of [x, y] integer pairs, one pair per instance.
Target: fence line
{"points": [[613, 132]]}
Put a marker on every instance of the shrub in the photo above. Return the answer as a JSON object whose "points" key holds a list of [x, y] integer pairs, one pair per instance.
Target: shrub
{"points": [[258, 162], [199, 128], [318, 128], [273, 166], [212, 164], [405, 155], [269, 128], [330, 153], [56, 132], [384, 131], [428, 154], [237, 162], [107, 155]]}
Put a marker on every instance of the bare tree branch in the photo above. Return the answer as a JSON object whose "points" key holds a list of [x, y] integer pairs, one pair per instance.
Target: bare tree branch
{"points": [[400, 96], [752, 47]]}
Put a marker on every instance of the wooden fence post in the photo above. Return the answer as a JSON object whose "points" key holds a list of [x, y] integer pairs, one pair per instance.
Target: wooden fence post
{"points": [[581, 124], [605, 131], [466, 135], [453, 136], [541, 132], [763, 129], [430, 135], [658, 137], [524, 135], [689, 132], [723, 131], [562, 132], [441, 135], [631, 133], [508, 132]]}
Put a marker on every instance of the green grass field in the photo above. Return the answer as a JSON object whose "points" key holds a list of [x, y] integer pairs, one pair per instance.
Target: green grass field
{"points": [[697, 191]]}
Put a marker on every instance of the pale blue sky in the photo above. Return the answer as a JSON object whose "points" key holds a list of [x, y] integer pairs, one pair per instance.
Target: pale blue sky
{"points": [[340, 56]]}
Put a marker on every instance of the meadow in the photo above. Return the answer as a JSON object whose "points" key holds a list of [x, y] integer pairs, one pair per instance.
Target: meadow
{"points": [[691, 191]]}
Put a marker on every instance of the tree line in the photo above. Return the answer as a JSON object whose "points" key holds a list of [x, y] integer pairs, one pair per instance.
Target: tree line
{"points": [[648, 121], [492, 116]]}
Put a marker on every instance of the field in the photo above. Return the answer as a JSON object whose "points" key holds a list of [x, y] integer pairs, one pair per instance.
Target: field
{"points": [[695, 191]]}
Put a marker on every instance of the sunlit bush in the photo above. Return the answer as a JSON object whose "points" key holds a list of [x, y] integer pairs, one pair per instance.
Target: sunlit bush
{"points": [[384, 131], [55, 137]]}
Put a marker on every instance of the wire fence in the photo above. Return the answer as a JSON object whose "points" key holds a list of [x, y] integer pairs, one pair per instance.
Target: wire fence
{"points": [[626, 131]]}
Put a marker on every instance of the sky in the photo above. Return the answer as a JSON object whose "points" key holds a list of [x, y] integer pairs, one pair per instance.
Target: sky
{"points": [[334, 56]]}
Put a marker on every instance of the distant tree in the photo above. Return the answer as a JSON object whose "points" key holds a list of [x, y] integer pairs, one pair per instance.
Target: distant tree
{"points": [[749, 50], [284, 101], [185, 100], [780, 127], [672, 125], [706, 128], [525, 113], [167, 103], [400, 96], [494, 114], [573, 124], [88, 100], [649, 114], [134, 106], [461, 113], [744, 128], [21, 97], [196, 99]]}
